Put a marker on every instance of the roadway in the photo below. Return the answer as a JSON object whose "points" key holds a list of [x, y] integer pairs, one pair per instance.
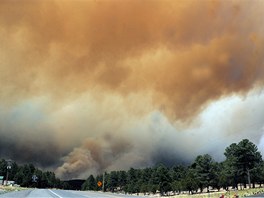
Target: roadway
{"points": [[50, 193], [259, 195]]}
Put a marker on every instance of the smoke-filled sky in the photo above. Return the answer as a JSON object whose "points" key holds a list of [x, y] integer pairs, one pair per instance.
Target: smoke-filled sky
{"points": [[94, 85]]}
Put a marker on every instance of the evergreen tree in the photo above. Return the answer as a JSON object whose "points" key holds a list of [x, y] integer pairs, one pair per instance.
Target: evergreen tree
{"points": [[122, 179], [203, 166], [89, 184], [243, 157], [164, 179], [190, 181], [112, 181]]}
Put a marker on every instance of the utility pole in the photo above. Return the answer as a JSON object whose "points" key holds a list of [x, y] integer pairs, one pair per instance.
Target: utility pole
{"points": [[103, 182], [8, 167]]}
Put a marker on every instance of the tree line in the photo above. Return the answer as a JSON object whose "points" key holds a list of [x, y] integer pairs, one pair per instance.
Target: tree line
{"points": [[243, 167], [23, 175]]}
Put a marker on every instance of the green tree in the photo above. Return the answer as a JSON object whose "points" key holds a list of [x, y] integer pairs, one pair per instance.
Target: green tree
{"points": [[89, 184], [65, 186], [19, 176], [178, 172], [112, 181], [261, 174], [132, 178], [225, 175], [164, 179], [13, 170], [215, 176], [38, 173], [122, 179], [22, 175], [25, 175], [190, 181], [177, 186], [257, 174], [203, 166], [243, 156]]}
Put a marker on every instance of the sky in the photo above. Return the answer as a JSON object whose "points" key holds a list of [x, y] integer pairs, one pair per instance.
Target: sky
{"points": [[89, 86]]}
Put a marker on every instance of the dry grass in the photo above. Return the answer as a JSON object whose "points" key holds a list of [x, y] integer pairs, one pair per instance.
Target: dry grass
{"points": [[229, 194], [4, 189]]}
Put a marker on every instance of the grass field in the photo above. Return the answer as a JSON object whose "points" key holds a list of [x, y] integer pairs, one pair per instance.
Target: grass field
{"points": [[228, 194], [4, 189]]}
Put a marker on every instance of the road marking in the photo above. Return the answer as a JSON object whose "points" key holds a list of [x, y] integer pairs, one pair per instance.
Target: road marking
{"points": [[55, 193]]}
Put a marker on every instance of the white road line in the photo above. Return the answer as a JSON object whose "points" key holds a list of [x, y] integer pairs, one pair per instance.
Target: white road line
{"points": [[55, 193]]}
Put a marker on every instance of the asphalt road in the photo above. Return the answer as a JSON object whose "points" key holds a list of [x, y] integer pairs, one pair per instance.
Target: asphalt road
{"points": [[259, 195], [34, 193]]}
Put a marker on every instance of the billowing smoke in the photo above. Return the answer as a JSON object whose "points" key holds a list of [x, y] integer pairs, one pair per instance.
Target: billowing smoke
{"points": [[100, 85]]}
